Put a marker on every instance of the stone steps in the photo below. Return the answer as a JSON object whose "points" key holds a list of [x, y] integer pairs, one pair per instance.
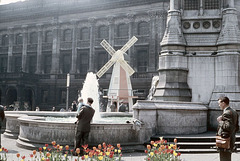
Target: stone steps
{"points": [[199, 143]]}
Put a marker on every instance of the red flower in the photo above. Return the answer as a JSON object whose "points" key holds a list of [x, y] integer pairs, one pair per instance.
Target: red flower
{"points": [[146, 151], [149, 147], [67, 147], [46, 145], [85, 146], [23, 157], [47, 159], [18, 155], [99, 146], [34, 152], [83, 157], [111, 156], [53, 143], [40, 149], [178, 154], [31, 155]]}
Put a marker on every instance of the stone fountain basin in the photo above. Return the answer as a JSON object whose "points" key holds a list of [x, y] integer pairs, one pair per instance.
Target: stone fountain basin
{"points": [[35, 131]]}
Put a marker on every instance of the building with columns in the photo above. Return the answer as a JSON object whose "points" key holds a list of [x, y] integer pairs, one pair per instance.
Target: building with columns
{"points": [[41, 41]]}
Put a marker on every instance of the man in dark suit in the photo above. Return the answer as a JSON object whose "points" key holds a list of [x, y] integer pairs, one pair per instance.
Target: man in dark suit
{"points": [[228, 126], [2, 116], [83, 128]]}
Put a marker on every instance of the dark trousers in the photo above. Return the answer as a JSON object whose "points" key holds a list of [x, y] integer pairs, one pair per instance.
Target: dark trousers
{"points": [[225, 156], [81, 139]]}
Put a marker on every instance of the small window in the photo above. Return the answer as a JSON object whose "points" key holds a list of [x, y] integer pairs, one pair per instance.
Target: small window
{"points": [[49, 37], [212, 4], [191, 4], [19, 39], [84, 34], [83, 65], [5, 40], [66, 63], [103, 32], [32, 64], [142, 60], [33, 38], [44, 96], [102, 59], [63, 96], [67, 35], [122, 30], [143, 28], [18, 64], [47, 63]]}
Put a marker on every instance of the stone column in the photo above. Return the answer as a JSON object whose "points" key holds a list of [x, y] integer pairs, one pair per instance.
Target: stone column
{"points": [[230, 3], [152, 43], [131, 18], [173, 41], [10, 50], [74, 47], [229, 38], [39, 49], [161, 25], [24, 48], [92, 44], [55, 48], [173, 69], [201, 8]]}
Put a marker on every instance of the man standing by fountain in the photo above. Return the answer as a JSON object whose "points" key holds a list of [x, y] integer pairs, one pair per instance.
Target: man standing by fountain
{"points": [[84, 116], [2, 116], [228, 126]]}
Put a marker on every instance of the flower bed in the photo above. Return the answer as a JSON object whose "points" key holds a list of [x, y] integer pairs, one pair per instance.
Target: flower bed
{"points": [[161, 150]]}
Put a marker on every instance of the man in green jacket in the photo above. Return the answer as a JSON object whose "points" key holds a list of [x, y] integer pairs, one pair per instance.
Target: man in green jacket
{"points": [[228, 126]]}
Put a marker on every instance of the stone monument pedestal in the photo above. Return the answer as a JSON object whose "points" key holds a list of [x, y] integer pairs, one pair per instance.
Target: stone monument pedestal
{"points": [[165, 117]]}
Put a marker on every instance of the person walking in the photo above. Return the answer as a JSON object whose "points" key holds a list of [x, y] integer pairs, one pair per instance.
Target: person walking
{"points": [[227, 127], [84, 116], [2, 116]]}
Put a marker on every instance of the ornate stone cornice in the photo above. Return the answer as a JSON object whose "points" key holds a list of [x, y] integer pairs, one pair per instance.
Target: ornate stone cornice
{"points": [[92, 20], [131, 17], [111, 19], [152, 14], [39, 27]]}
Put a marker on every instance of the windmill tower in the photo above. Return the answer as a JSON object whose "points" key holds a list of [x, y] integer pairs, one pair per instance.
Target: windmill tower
{"points": [[120, 88]]}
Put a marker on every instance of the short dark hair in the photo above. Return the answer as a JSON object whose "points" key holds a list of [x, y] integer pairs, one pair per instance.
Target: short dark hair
{"points": [[90, 100], [224, 99]]}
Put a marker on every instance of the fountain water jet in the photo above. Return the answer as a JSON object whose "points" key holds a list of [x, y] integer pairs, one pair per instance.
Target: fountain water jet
{"points": [[91, 89]]}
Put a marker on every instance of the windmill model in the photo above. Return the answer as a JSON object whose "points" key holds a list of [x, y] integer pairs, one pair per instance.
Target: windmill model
{"points": [[120, 87]]}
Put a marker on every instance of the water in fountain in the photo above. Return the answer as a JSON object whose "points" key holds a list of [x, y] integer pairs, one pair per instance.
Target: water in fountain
{"points": [[91, 89]]}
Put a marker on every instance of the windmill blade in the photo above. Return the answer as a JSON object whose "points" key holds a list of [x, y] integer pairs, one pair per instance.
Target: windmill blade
{"points": [[129, 44], [105, 67], [107, 47], [126, 66]]}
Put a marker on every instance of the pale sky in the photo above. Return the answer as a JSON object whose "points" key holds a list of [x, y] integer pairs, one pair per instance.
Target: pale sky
{"points": [[8, 1]]}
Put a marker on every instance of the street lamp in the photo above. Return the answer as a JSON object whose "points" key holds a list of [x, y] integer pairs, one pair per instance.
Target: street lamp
{"points": [[68, 84]]}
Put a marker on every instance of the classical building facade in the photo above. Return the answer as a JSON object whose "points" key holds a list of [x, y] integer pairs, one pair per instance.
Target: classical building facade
{"points": [[41, 41]]}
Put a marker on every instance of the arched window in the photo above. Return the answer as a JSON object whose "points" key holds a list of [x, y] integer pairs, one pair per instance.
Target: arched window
{"points": [[49, 37], [19, 39], [122, 30], [33, 38], [102, 59], [143, 28], [103, 32], [142, 60], [84, 33], [5, 40], [67, 35], [191, 4]]}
